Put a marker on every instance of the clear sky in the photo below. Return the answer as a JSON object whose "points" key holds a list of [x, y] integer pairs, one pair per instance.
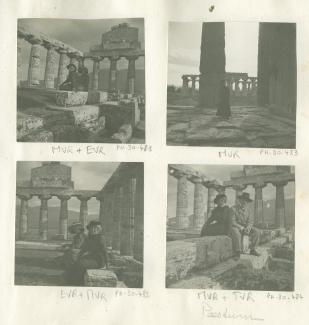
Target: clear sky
{"points": [[85, 175], [78, 33], [220, 173], [184, 41]]}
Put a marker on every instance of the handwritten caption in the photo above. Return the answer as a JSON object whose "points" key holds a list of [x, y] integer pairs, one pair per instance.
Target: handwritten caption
{"points": [[211, 309], [97, 149]]}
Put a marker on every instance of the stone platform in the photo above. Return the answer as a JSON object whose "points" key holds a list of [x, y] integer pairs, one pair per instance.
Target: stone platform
{"points": [[254, 127], [100, 278]]}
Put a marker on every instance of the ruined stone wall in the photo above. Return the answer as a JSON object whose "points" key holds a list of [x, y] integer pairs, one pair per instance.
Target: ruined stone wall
{"points": [[212, 63], [277, 67]]}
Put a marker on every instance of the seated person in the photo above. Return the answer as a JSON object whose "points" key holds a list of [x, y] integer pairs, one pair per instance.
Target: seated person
{"points": [[242, 223], [92, 255], [71, 83], [219, 222], [83, 78]]}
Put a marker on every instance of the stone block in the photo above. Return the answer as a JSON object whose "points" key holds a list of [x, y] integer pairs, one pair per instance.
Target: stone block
{"points": [[100, 278], [27, 124], [124, 134], [39, 135], [275, 264], [71, 98], [97, 97]]}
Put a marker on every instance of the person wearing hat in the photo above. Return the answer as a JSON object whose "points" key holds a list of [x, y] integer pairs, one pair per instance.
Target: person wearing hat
{"points": [[219, 222], [223, 105], [71, 82], [242, 223], [92, 255]]}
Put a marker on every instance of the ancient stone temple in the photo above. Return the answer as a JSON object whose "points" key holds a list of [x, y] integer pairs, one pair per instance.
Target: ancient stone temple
{"points": [[277, 67], [212, 63], [121, 205]]}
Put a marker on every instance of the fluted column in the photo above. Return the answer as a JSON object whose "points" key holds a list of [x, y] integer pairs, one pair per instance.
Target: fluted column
{"points": [[62, 67], [34, 63], [95, 73], [19, 60], [23, 216], [182, 200], [113, 74], [127, 221], [139, 220], [185, 82], [64, 215], [83, 212], [280, 205], [198, 214], [258, 204], [50, 67], [43, 222], [193, 83], [210, 199], [131, 74], [117, 217]]}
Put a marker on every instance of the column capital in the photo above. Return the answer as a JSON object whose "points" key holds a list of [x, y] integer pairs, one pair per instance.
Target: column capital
{"points": [[33, 40], [179, 174], [239, 187], [96, 58], [114, 58], [45, 196], [64, 197], [195, 179], [25, 197], [83, 197], [259, 185], [280, 183], [48, 45], [61, 50], [132, 57], [99, 198]]}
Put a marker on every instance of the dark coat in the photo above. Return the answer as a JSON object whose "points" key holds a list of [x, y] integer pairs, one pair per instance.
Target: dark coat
{"points": [[223, 107], [219, 223]]}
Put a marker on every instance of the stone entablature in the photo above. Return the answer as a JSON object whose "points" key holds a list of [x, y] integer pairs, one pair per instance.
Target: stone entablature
{"points": [[278, 176]]}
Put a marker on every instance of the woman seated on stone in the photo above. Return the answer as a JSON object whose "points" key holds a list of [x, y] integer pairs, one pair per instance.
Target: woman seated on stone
{"points": [[220, 220], [92, 255], [71, 82]]}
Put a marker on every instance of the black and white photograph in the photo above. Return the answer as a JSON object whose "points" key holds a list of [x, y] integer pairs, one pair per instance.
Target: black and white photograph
{"points": [[230, 227], [231, 84], [81, 80], [79, 224]]}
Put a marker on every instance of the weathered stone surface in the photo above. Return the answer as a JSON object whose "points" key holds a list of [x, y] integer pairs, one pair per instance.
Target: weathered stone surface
{"points": [[39, 135], [214, 134], [124, 134], [85, 113], [100, 278], [27, 124], [191, 254], [96, 96], [71, 98], [275, 264]]}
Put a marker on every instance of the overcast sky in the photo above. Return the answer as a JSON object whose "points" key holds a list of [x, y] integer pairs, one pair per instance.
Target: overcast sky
{"points": [[85, 175], [219, 173], [78, 33], [184, 41]]}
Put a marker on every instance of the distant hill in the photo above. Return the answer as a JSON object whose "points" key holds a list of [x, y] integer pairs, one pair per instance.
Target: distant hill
{"points": [[268, 212], [53, 219]]}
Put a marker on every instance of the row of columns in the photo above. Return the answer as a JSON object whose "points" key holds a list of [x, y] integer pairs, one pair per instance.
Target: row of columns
{"points": [[199, 217], [242, 87], [66, 57], [43, 218], [121, 213], [186, 79]]}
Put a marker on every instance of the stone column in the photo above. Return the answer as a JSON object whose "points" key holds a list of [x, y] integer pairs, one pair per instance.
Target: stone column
{"points": [[95, 73], [23, 216], [258, 204], [83, 212], [131, 74], [193, 83], [182, 200], [102, 214], [238, 191], [210, 199], [185, 84], [50, 67], [19, 60], [212, 63], [34, 63], [128, 216], [43, 223], [280, 205], [117, 217], [198, 215], [63, 216], [113, 73], [62, 68], [139, 220]]}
